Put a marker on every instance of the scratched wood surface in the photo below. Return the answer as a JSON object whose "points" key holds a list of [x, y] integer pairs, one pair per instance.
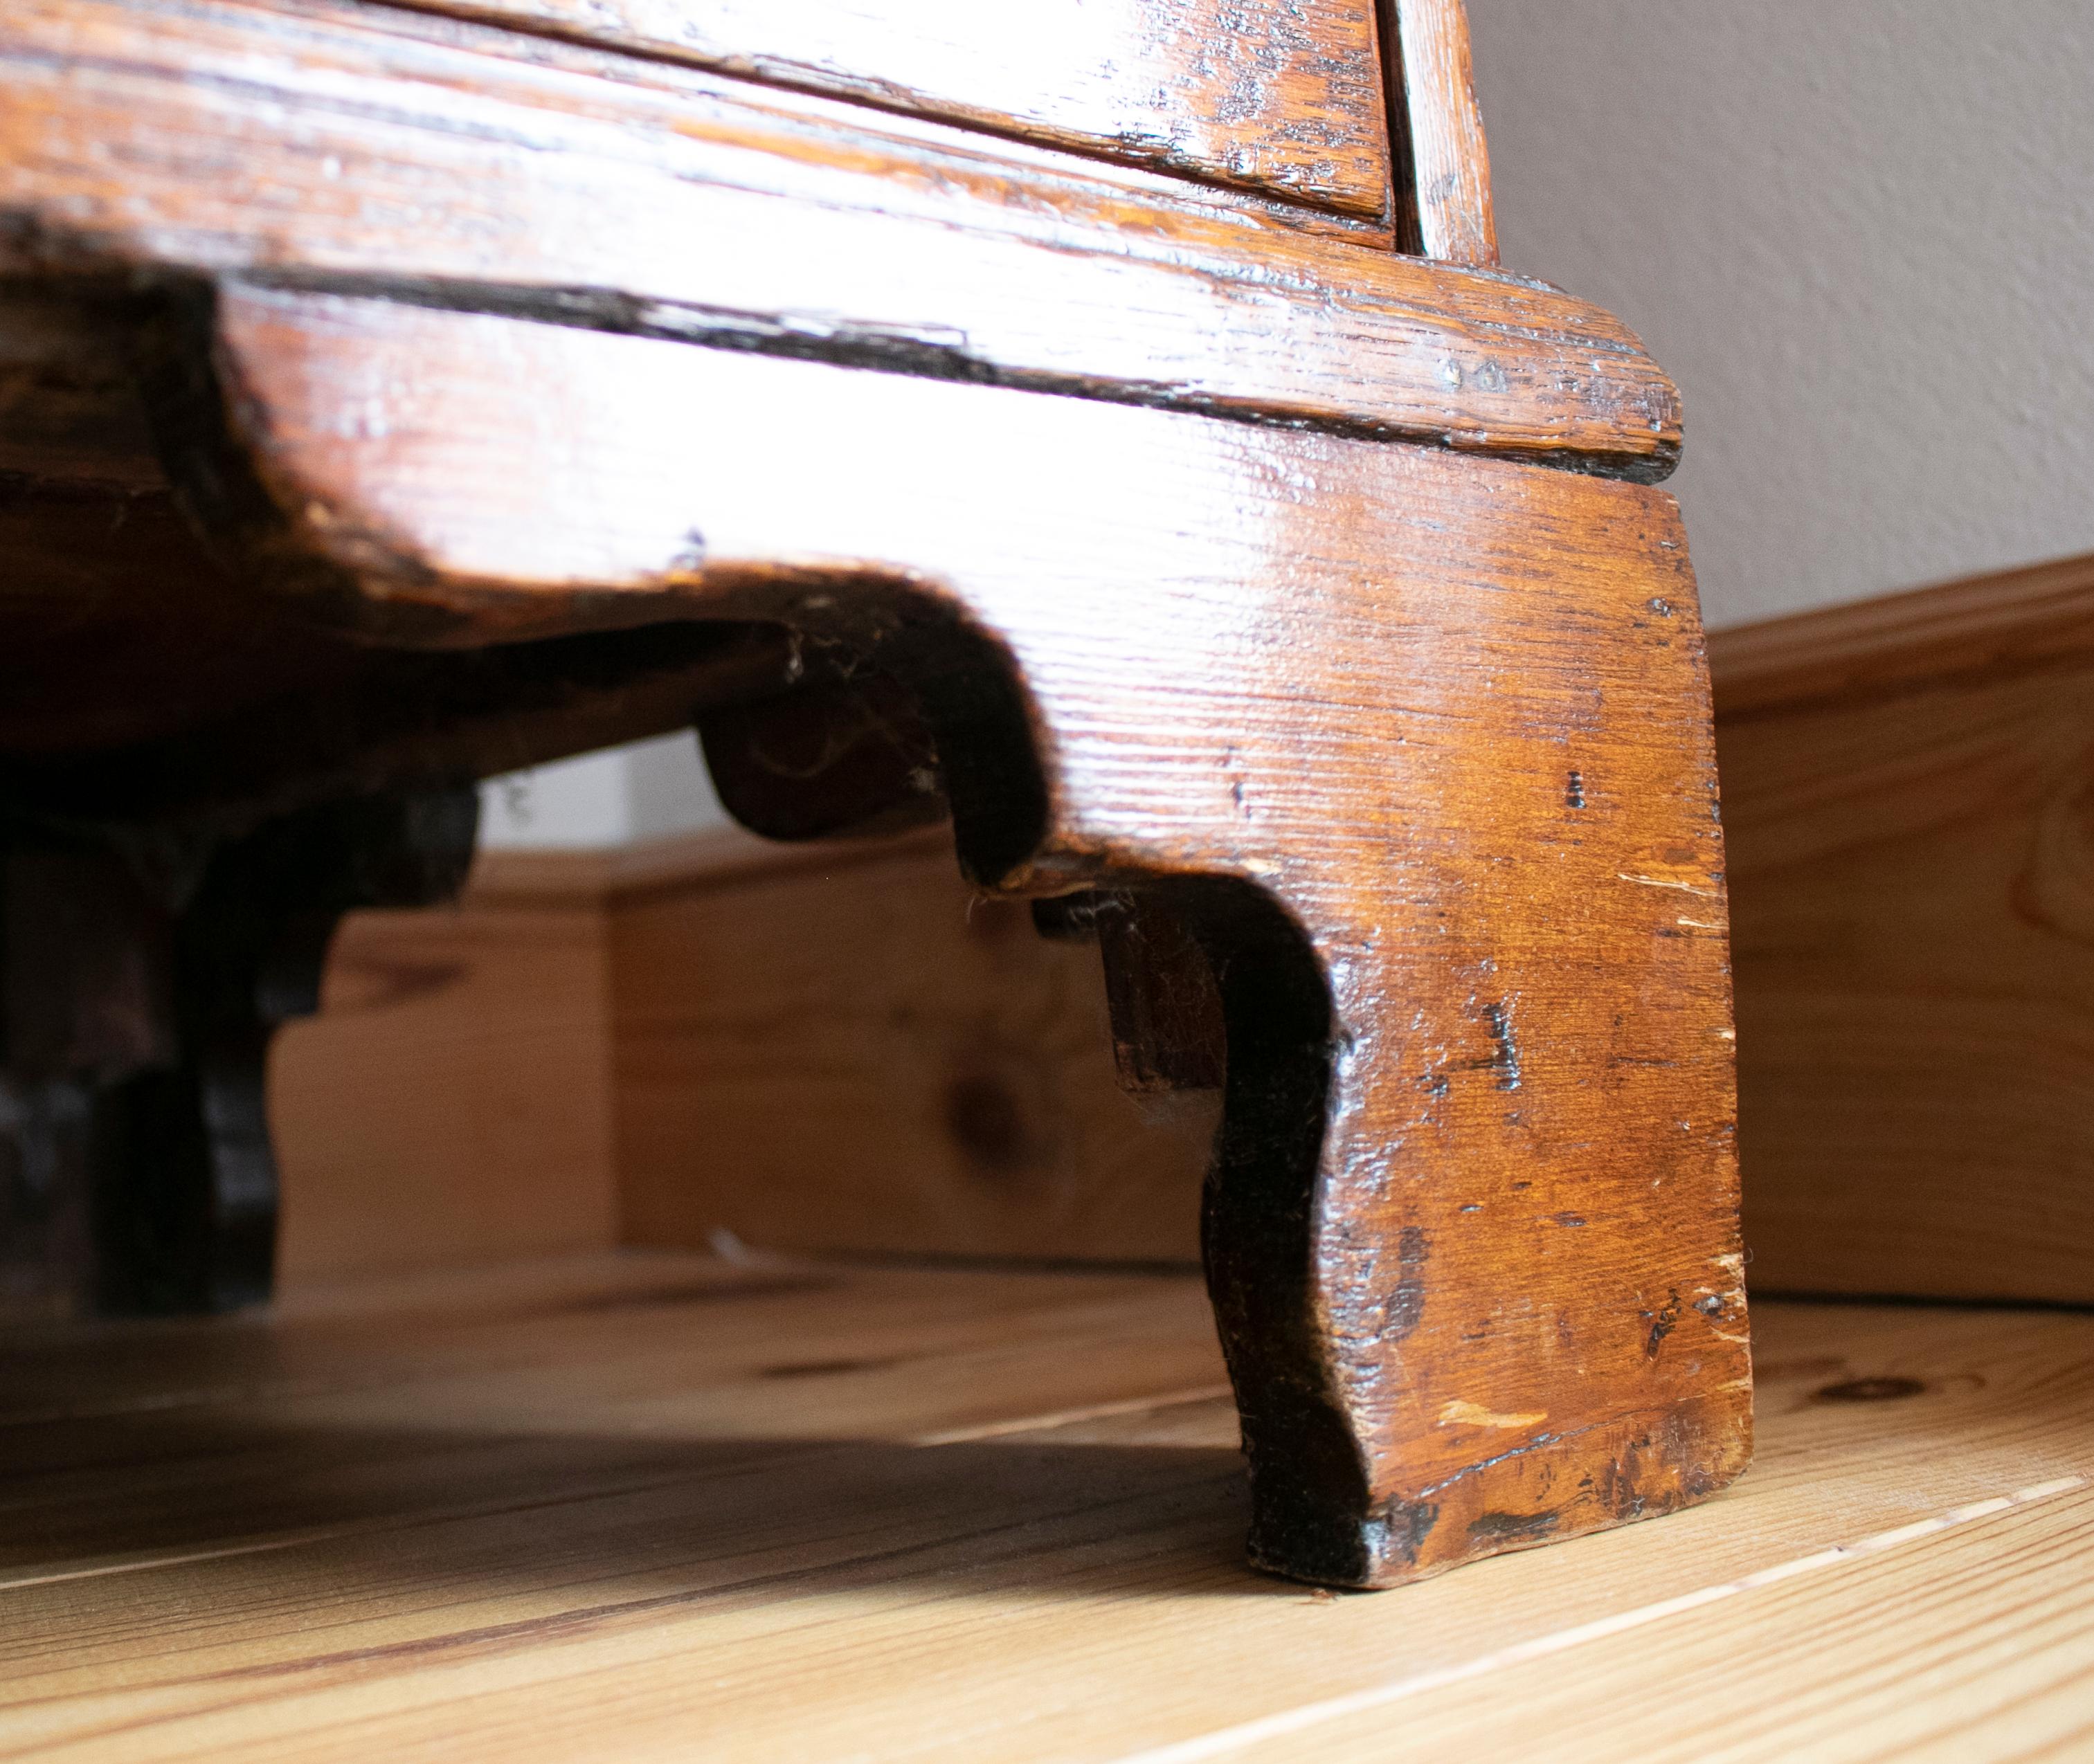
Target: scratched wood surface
{"points": [[1286, 97], [330, 142], [1546, 1112], [1911, 815], [642, 1506], [1426, 826], [1443, 176]]}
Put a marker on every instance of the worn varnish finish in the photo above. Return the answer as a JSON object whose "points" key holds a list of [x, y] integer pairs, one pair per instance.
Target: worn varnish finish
{"points": [[1909, 805], [1268, 95], [1443, 167], [1383, 771], [681, 203], [1444, 820]]}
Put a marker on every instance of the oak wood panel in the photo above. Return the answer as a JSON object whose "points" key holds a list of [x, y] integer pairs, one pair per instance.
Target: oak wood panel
{"points": [[1443, 177], [1499, 661], [451, 1102], [863, 1054], [137, 133], [1906, 786], [1052, 1580], [1285, 97]]}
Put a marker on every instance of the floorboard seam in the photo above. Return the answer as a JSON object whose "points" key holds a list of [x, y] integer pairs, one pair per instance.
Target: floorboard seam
{"points": [[1226, 1740]]}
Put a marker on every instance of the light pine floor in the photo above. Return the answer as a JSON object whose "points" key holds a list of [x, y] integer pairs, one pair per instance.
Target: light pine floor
{"points": [[661, 1508]]}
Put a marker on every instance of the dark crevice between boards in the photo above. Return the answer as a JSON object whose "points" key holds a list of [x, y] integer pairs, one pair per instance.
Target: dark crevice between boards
{"points": [[923, 352]]}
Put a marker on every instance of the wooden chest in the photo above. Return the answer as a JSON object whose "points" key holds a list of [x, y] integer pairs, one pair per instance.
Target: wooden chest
{"points": [[1103, 427]]}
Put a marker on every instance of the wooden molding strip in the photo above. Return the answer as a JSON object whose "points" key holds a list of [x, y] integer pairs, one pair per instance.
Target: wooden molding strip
{"points": [[464, 167], [1281, 95], [1443, 169], [2004, 622]]}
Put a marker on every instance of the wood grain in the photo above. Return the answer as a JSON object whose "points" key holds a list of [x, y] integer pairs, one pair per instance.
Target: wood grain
{"points": [[859, 1053], [1987, 1657], [1443, 169], [451, 1102], [1396, 764], [1900, 777], [1906, 789], [1392, 650], [1285, 98], [520, 1508], [355, 145]]}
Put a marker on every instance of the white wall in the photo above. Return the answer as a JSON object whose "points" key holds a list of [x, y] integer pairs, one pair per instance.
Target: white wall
{"points": [[1858, 233], [641, 791]]}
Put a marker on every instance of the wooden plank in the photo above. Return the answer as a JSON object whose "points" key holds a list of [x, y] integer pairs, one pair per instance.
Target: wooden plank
{"points": [[1067, 1591], [445, 164], [450, 1104], [1905, 799], [624, 1392], [1286, 98], [1996, 626], [863, 1054], [1964, 1638], [1443, 165]]}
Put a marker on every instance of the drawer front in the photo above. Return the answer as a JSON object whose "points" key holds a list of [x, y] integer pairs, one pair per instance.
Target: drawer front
{"points": [[1281, 96]]}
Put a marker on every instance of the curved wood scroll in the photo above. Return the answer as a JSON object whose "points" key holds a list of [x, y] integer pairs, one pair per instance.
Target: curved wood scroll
{"points": [[1419, 746]]}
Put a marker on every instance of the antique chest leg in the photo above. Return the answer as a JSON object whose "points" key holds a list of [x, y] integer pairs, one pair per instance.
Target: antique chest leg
{"points": [[1414, 749], [143, 986], [1470, 1230]]}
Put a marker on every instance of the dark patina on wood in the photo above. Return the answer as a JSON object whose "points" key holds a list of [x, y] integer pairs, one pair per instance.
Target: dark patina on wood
{"points": [[1445, 823], [678, 203], [929, 474], [143, 970]]}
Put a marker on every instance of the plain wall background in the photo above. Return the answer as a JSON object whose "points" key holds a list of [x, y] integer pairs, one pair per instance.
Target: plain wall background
{"points": [[1858, 233], [1859, 236]]}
